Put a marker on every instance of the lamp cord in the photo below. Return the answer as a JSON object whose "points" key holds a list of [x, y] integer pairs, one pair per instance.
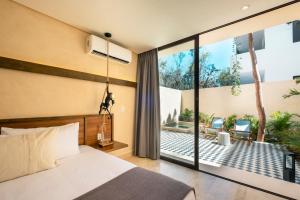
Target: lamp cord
{"points": [[107, 64]]}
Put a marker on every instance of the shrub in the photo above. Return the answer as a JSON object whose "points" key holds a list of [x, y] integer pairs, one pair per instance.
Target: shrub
{"points": [[292, 140], [253, 125], [170, 121], [288, 138], [186, 115], [229, 122], [202, 117], [279, 121], [284, 130], [205, 118]]}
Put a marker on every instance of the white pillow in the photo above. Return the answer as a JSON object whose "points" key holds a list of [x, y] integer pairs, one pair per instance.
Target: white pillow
{"points": [[20, 131], [27, 154], [66, 140]]}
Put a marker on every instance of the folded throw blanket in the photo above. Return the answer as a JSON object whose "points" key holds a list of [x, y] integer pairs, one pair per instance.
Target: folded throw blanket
{"points": [[139, 184]]}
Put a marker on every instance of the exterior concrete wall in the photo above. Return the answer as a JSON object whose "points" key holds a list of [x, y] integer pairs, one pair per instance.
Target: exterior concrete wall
{"points": [[220, 102], [170, 100]]}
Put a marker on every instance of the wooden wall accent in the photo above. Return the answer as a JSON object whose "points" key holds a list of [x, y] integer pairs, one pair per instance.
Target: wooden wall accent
{"points": [[88, 125], [95, 124], [9, 63]]}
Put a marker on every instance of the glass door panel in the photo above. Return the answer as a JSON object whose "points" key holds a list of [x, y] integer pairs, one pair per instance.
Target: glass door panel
{"points": [[230, 142], [176, 68]]}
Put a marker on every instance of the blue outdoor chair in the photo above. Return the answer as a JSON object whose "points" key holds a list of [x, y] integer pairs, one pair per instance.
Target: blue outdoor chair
{"points": [[242, 129], [216, 126]]}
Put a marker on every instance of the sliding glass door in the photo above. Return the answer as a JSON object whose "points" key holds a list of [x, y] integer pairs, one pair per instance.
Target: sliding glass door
{"points": [[177, 97], [210, 121], [231, 143], [209, 94]]}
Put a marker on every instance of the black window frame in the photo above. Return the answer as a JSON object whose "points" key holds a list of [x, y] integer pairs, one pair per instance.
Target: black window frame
{"points": [[296, 31]]}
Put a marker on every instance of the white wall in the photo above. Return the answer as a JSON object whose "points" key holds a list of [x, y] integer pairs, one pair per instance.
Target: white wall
{"points": [[170, 99], [281, 57]]}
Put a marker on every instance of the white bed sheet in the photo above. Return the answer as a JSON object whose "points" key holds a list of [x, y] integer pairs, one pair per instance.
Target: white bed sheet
{"points": [[74, 176]]}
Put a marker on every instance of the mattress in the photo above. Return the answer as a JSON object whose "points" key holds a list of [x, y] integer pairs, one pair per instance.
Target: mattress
{"points": [[74, 176]]}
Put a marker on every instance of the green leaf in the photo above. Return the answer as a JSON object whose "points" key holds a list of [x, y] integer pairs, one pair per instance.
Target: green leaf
{"points": [[293, 92]]}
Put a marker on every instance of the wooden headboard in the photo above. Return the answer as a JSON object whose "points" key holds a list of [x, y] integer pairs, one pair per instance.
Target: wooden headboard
{"points": [[88, 125]]}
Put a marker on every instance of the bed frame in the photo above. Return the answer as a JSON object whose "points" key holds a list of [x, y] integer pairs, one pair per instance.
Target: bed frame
{"points": [[89, 125]]}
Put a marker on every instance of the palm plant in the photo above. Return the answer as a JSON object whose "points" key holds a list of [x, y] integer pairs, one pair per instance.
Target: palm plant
{"points": [[279, 121], [293, 92], [205, 118], [292, 140], [288, 138], [229, 122], [284, 130]]}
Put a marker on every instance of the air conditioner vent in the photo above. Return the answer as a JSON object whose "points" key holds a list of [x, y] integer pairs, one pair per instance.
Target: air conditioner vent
{"points": [[104, 54], [97, 46]]}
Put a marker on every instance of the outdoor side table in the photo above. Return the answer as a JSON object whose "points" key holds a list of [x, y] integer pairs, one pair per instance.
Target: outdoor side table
{"points": [[223, 138]]}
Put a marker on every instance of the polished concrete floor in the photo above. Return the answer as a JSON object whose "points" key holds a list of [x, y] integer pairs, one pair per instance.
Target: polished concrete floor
{"points": [[207, 187]]}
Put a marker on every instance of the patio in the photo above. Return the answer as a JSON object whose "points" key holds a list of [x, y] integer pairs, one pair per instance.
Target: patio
{"points": [[260, 158]]}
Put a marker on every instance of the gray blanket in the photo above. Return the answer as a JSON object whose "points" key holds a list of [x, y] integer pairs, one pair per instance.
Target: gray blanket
{"points": [[139, 184]]}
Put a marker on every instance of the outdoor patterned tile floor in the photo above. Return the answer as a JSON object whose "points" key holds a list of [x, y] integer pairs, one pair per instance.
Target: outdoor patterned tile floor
{"points": [[261, 158]]}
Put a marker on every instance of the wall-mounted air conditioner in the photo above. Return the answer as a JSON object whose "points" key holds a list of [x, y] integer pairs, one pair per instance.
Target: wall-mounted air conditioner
{"points": [[97, 46]]}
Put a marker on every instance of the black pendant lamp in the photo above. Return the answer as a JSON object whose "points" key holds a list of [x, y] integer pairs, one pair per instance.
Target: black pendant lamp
{"points": [[108, 97]]}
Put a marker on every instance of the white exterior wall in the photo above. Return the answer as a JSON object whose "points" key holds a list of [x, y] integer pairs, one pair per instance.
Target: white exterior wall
{"points": [[281, 57], [170, 99]]}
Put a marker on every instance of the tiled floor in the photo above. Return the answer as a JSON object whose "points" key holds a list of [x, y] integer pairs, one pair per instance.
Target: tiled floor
{"points": [[260, 158]]}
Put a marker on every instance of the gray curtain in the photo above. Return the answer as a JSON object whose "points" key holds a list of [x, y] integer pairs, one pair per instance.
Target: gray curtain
{"points": [[147, 123]]}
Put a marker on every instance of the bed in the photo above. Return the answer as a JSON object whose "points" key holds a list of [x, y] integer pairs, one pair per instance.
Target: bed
{"points": [[75, 176]]}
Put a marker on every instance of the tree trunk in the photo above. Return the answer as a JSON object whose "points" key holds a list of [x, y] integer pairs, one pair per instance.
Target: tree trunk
{"points": [[258, 93]]}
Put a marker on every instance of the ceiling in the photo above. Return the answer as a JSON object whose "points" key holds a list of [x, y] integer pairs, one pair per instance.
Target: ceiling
{"points": [[141, 25]]}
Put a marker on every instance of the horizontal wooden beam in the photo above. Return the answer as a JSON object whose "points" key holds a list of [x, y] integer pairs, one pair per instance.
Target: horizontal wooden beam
{"points": [[16, 120], [13, 64]]}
